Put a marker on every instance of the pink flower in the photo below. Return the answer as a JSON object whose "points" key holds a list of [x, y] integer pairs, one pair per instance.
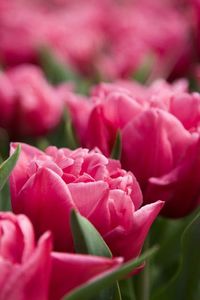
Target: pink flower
{"points": [[88, 38], [25, 267], [159, 125], [145, 30], [29, 105], [73, 32], [30, 271], [69, 271], [47, 185]]}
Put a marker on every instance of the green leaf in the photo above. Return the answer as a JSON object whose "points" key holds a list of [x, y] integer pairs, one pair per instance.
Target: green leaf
{"points": [[54, 70], [42, 143], [5, 203], [87, 240], [144, 71], [64, 134], [167, 234], [185, 283], [117, 148], [71, 139], [90, 289], [127, 289], [57, 72], [7, 166]]}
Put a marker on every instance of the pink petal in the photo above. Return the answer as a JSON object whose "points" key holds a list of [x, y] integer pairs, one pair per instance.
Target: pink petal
{"points": [[100, 132], [11, 238], [28, 235], [19, 175], [87, 195], [30, 280], [119, 238], [46, 200], [120, 108], [179, 188], [69, 271], [152, 143]]}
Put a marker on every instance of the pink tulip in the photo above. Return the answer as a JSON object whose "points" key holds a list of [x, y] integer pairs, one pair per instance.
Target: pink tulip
{"points": [[47, 185], [25, 267], [144, 32], [29, 105], [69, 271], [159, 125], [89, 39], [30, 271], [73, 32]]}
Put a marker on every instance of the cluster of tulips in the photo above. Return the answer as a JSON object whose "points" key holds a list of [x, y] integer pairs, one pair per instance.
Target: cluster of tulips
{"points": [[100, 150]]}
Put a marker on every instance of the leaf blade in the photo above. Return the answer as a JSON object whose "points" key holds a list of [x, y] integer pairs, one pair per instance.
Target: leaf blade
{"points": [[7, 166], [89, 289]]}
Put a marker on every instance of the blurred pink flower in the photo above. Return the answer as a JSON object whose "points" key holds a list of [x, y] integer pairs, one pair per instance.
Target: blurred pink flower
{"points": [[29, 104], [159, 125], [30, 271], [47, 185], [107, 38], [22, 263]]}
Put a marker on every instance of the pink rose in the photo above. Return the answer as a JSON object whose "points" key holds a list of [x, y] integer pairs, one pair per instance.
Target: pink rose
{"points": [[159, 125], [47, 185], [30, 271], [29, 105]]}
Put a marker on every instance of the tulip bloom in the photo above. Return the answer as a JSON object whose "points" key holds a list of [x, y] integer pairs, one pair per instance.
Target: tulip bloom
{"points": [[30, 271], [22, 263], [29, 104], [47, 185], [159, 126], [88, 38]]}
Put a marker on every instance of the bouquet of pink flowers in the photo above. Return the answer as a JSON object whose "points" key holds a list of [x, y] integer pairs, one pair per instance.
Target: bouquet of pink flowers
{"points": [[99, 150]]}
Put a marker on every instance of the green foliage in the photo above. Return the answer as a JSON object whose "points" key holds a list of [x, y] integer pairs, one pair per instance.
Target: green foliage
{"points": [[87, 240], [7, 166], [54, 70], [117, 148], [90, 289], [143, 73], [185, 284], [5, 169], [64, 134], [57, 72]]}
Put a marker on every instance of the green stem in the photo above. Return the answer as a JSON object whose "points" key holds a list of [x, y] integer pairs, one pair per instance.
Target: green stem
{"points": [[143, 278]]}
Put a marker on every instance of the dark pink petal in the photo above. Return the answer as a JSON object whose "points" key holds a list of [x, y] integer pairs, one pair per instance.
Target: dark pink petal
{"points": [[180, 187], [100, 132], [129, 242], [20, 173], [28, 236], [69, 271], [11, 238], [186, 108], [30, 280], [152, 144], [46, 200]]}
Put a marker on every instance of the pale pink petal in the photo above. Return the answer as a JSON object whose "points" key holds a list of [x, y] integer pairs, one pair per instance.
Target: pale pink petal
{"points": [[87, 196]]}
